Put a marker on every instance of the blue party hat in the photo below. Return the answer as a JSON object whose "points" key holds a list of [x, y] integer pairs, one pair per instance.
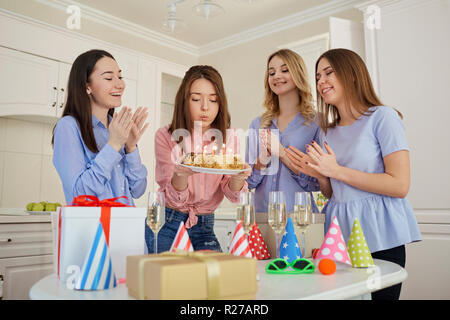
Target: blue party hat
{"points": [[97, 272], [289, 248]]}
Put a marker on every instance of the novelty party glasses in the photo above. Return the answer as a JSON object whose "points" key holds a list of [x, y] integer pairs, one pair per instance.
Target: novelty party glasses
{"points": [[299, 266]]}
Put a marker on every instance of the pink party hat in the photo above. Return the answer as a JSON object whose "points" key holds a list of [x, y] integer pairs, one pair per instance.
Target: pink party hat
{"points": [[333, 246]]}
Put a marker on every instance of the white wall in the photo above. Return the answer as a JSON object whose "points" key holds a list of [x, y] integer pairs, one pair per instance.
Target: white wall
{"points": [[413, 53], [27, 173], [243, 67]]}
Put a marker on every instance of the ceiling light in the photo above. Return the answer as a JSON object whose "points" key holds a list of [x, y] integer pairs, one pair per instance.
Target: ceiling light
{"points": [[208, 9], [172, 23]]}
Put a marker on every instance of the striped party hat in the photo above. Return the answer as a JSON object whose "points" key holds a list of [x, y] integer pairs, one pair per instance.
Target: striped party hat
{"points": [[239, 245], [97, 272], [182, 240]]}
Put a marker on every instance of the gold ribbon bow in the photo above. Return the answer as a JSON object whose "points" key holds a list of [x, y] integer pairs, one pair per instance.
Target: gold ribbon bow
{"points": [[212, 269]]}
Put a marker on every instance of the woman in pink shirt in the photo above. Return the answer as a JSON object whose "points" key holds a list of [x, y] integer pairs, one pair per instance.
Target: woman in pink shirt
{"points": [[201, 111]]}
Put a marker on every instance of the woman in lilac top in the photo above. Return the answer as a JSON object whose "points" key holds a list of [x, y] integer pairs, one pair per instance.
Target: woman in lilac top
{"points": [[289, 120], [363, 159], [94, 149]]}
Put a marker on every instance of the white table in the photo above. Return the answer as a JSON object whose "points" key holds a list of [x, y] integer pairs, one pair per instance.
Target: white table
{"points": [[345, 283]]}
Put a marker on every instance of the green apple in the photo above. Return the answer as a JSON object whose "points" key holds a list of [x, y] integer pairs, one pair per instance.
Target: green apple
{"points": [[50, 207], [38, 207], [30, 206]]}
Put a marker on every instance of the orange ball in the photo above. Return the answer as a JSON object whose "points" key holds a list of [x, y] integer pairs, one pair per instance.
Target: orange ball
{"points": [[327, 266]]}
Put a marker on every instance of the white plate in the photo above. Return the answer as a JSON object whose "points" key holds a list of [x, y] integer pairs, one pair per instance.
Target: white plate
{"points": [[39, 212], [215, 171]]}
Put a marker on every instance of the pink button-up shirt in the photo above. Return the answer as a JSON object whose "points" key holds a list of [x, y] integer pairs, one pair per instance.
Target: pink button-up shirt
{"points": [[204, 192]]}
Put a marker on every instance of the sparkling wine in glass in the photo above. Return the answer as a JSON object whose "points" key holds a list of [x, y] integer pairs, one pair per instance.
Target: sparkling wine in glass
{"points": [[245, 212], [277, 216], [156, 215], [303, 214], [302, 209]]}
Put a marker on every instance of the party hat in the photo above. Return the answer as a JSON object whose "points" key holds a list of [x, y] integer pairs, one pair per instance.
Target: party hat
{"points": [[289, 248], [257, 244], [333, 246], [358, 250], [97, 272], [239, 245], [182, 240]]}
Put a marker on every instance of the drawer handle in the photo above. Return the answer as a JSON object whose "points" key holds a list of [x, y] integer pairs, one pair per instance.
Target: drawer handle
{"points": [[6, 240]]}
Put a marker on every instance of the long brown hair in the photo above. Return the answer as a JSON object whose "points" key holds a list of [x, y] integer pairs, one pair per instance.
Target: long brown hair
{"points": [[78, 104], [181, 116], [297, 69], [352, 74]]}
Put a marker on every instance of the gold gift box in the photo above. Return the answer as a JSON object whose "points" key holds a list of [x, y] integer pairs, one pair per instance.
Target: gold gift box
{"points": [[190, 276]]}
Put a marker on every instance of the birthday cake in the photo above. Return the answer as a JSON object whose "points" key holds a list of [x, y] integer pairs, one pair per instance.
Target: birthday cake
{"points": [[222, 161]]}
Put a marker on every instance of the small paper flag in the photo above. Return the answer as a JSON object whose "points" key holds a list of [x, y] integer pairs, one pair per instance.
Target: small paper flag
{"points": [[257, 244], [357, 248], [239, 245], [289, 248], [333, 246], [97, 272], [182, 240]]}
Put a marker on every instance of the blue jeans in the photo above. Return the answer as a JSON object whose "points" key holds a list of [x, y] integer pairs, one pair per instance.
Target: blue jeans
{"points": [[202, 234]]}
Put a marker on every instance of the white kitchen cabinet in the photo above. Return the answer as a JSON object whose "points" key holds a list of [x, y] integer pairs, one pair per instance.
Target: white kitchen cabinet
{"points": [[25, 253], [63, 80], [224, 225], [31, 85]]}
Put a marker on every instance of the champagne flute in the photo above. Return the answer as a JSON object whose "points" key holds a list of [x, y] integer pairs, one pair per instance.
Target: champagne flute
{"points": [[246, 211], [302, 209], [277, 216], [303, 214], [156, 215]]}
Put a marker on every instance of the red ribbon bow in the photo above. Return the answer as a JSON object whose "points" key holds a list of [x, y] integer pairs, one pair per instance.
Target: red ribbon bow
{"points": [[93, 201]]}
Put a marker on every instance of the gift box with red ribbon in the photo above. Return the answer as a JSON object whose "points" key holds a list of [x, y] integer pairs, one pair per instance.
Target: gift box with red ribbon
{"points": [[123, 226]]}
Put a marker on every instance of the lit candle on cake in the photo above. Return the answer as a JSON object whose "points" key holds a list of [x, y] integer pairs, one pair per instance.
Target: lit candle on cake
{"points": [[214, 150], [223, 154]]}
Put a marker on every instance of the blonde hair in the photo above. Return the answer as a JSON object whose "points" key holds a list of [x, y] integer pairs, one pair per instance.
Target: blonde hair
{"points": [[354, 77], [297, 70]]}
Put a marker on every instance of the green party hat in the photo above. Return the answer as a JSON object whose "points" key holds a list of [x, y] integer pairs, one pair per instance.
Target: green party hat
{"points": [[357, 248]]}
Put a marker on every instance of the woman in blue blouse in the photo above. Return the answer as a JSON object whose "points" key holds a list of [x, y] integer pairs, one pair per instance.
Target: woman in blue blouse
{"points": [[363, 158], [94, 149], [289, 120]]}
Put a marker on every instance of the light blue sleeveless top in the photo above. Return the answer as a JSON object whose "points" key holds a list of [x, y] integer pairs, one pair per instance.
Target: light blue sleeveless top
{"points": [[387, 222]]}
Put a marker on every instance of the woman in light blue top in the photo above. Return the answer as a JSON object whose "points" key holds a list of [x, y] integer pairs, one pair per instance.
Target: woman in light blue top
{"points": [[289, 120], [94, 149], [363, 157]]}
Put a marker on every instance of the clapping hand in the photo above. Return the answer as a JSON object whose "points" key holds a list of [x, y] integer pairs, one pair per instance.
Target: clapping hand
{"points": [[267, 139], [300, 160], [119, 128], [137, 129], [323, 162]]}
